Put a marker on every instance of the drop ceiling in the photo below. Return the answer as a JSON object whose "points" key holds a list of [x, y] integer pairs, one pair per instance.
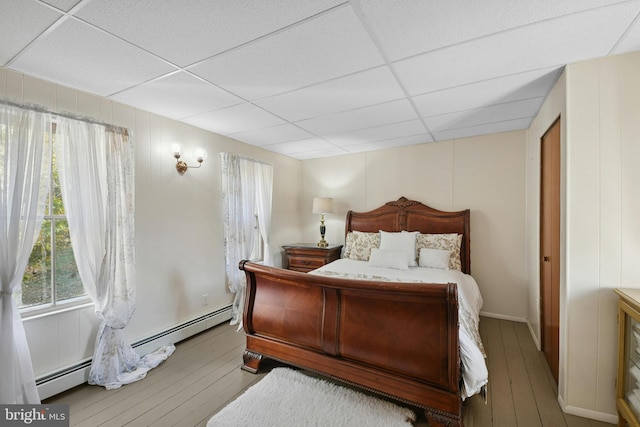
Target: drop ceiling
{"points": [[317, 78]]}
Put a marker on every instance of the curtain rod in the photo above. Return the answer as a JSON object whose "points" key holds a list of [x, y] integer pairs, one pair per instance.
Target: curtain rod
{"points": [[247, 158], [67, 115]]}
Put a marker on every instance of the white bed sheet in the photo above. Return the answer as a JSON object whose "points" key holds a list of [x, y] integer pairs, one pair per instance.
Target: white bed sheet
{"points": [[474, 373]]}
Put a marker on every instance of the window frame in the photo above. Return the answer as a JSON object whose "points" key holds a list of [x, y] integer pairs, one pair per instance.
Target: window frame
{"points": [[54, 305]]}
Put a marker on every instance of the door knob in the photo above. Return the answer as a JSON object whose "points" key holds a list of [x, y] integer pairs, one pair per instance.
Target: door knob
{"points": [[546, 259]]}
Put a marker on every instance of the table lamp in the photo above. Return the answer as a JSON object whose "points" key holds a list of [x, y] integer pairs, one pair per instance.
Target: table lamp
{"points": [[322, 205]]}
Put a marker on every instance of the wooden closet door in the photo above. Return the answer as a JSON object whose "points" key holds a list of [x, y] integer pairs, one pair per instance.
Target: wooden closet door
{"points": [[550, 246]]}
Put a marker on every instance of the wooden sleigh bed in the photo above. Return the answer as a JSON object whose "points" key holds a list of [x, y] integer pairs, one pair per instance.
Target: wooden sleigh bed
{"points": [[397, 339]]}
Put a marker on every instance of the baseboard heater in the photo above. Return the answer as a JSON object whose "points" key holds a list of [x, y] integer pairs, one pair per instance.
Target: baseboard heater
{"points": [[56, 382]]}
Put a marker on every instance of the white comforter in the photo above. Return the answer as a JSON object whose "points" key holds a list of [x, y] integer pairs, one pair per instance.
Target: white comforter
{"points": [[474, 373]]}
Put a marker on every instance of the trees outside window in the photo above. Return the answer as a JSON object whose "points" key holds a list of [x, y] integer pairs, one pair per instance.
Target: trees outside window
{"points": [[51, 277]]}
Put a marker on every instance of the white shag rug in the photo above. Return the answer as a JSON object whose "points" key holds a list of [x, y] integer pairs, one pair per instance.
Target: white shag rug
{"points": [[285, 397]]}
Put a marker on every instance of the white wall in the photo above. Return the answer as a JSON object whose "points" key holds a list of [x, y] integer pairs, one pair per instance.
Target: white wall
{"points": [[602, 211], [179, 243], [485, 174], [599, 102]]}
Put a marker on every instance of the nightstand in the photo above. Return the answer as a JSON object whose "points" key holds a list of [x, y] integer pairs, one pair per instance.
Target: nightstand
{"points": [[308, 256]]}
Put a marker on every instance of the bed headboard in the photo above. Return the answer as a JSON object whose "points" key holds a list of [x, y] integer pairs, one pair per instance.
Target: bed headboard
{"points": [[410, 215]]}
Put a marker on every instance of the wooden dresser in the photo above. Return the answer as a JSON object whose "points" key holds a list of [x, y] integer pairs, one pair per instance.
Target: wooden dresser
{"points": [[628, 383], [308, 256]]}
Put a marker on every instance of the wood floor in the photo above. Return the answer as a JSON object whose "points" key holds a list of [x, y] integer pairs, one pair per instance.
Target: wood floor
{"points": [[203, 375]]}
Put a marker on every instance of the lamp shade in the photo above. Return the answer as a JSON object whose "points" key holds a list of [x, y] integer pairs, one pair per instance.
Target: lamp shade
{"points": [[322, 205]]}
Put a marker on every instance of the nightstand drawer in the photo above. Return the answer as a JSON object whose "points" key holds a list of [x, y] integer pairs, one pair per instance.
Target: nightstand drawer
{"points": [[308, 256], [297, 262]]}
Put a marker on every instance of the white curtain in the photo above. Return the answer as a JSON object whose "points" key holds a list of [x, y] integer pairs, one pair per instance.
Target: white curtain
{"points": [[96, 169], [24, 177], [264, 193], [247, 187]]}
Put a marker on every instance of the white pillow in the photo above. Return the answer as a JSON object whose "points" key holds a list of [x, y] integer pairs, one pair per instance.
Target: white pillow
{"points": [[388, 258], [434, 258], [403, 241]]}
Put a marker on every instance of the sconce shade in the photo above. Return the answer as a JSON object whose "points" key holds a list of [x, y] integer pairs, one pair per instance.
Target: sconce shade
{"points": [[322, 205], [200, 153], [176, 149]]}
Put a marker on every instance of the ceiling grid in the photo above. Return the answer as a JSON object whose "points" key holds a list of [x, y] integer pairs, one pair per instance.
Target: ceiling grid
{"points": [[317, 78]]}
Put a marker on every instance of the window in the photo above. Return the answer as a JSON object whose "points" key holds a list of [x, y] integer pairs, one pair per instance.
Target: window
{"points": [[51, 277]]}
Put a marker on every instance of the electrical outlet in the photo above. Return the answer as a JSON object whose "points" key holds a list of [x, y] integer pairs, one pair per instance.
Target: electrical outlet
{"points": [[205, 299]]}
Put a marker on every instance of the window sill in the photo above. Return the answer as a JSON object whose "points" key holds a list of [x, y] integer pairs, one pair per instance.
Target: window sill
{"points": [[38, 313]]}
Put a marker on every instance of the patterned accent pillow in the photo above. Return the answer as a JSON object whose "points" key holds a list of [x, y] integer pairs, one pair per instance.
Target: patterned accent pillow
{"points": [[358, 245], [450, 242]]}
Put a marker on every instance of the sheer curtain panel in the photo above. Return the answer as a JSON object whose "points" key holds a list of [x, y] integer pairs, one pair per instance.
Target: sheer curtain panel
{"points": [[96, 167], [247, 187], [24, 177], [264, 194], [238, 219]]}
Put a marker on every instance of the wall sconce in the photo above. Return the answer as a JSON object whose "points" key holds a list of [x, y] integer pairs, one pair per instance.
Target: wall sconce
{"points": [[181, 166], [322, 205]]}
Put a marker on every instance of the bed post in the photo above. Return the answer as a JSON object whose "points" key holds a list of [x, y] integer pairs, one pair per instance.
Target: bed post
{"points": [[251, 361], [441, 419]]}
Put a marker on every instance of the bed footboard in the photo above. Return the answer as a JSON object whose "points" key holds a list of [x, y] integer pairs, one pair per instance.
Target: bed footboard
{"points": [[397, 339]]}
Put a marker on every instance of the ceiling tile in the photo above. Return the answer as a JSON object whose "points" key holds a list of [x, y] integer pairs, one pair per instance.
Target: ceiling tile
{"points": [[525, 85], [239, 118], [389, 143], [361, 118], [272, 135], [65, 5], [312, 144], [546, 44], [346, 93], [495, 113], [20, 22], [177, 96], [396, 130], [187, 31], [406, 28], [485, 129], [328, 46], [82, 57], [631, 40], [329, 152]]}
